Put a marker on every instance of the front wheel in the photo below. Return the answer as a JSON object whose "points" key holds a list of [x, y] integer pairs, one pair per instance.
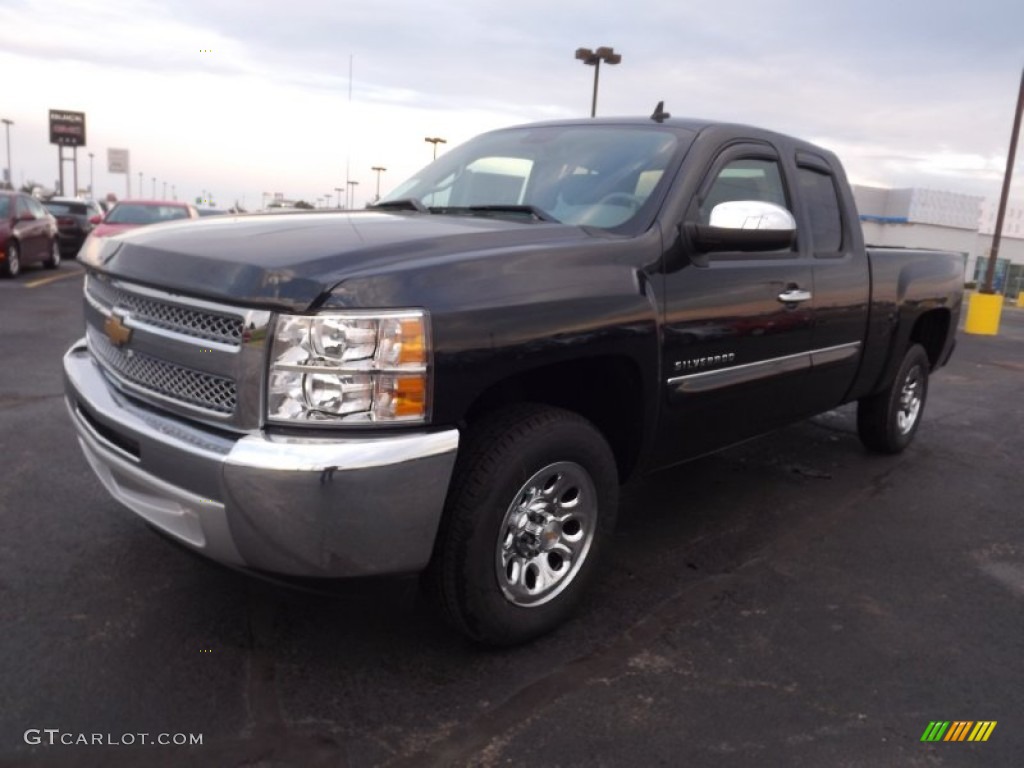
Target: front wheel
{"points": [[888, 420], [531, 509]]}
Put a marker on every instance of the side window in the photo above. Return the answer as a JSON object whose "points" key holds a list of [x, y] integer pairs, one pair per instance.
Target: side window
{"points": [[745, 179], [818, 190], [22, 207]]}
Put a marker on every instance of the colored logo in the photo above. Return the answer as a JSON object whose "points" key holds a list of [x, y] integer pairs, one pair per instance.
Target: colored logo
{"points": [[116, 330], [958, 730]]}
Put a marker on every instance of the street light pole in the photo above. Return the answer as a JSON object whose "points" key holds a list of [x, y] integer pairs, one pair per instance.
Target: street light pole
{"points": [[10, 175], [435, 140], [339, 190], [352, 196], [141, 191], [154, 187], [594, 59], [91, 193], [379, 169]]}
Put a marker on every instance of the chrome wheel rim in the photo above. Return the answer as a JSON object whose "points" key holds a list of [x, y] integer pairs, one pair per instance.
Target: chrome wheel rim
{"points": [[55, 254], [13, 260], [910, 401], [546, 534]]}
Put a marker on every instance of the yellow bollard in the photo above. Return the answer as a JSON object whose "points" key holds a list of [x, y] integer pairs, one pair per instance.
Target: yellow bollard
{"points": [[983, 311], [1020, 300]]}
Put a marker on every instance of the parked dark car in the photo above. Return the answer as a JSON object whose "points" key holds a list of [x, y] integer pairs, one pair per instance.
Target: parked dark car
{"points": [[28, 234], [73, 222], [458, 380]]}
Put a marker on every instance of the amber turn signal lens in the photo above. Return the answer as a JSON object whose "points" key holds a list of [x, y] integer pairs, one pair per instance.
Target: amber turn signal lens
{"points": [[410, 396], [414, 342]]}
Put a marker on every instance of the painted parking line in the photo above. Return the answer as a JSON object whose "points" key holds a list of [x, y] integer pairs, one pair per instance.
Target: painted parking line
{"points": [[53, 278]]}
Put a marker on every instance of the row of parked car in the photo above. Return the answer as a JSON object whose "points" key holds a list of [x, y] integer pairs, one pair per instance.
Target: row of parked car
{"points": [[45, 232]]}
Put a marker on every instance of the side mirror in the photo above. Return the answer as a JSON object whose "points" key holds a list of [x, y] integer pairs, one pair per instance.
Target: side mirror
{"points": [[744, 225], [95, 219]]}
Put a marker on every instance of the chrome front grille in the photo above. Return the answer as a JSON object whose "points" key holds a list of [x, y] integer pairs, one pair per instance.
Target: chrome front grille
{"points": [[203, 390], [196, 358], [199, 323]]}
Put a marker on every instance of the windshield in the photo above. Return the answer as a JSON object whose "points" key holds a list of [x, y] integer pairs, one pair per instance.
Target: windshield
{"points": [[593, 175], [136, 213]]}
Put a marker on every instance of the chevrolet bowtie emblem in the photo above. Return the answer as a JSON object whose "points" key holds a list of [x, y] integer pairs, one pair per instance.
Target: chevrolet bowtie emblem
{"points": [[116, 330]]}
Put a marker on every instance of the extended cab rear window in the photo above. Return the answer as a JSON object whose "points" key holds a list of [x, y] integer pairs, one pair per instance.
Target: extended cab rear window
{"points": [[818, 190]]}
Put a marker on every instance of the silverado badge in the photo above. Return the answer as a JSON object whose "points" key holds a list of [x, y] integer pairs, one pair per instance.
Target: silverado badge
{"points": [[116, 330]]}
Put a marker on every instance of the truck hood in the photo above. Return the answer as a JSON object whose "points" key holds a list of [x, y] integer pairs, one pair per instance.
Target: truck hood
{"points": [[292, 261]]}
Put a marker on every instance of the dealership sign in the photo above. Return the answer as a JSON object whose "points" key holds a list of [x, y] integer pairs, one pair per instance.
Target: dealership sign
{"points": [[117, 161], [67, 128]]}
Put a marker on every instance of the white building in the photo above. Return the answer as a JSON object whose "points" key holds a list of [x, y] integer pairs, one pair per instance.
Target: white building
{"points": [[949, 221]]}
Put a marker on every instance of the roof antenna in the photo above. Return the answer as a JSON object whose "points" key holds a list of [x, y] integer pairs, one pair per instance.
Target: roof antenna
{"points": [[660, 114]]}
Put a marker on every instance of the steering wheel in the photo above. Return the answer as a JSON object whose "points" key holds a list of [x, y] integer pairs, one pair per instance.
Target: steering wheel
{"points": [[620, 198]]}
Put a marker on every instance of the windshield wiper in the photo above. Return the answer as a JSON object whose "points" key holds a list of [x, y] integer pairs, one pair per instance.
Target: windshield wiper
{"points": [[404, 204], [530, 210]]}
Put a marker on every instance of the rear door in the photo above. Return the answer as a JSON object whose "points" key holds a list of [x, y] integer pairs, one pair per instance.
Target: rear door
{"points": [[735, 352], [841, 281]]}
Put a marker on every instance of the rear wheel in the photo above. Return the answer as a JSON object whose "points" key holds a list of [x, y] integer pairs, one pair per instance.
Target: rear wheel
{"points": [[12, 264], [888, 420], [530, 511], [54, 261]]}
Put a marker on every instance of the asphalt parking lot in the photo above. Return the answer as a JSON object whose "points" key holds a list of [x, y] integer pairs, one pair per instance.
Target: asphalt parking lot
{"points": [[791, 602]]}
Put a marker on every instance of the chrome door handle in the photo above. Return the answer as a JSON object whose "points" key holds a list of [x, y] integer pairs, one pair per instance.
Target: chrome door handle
{"points": [[794, 295]]}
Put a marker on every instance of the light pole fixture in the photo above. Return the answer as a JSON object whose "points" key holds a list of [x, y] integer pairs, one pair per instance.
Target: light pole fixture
{"points": [[90, 175], [10, 175], [141, 192], [594, 59], [351, 202], [154, 187], [174, 192], [435, 140], [339, 190], [379, 169], [165, 191]]}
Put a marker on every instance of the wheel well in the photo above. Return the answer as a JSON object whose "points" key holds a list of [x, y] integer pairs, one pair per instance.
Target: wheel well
{"points": [[930, 331], [606, 391]]}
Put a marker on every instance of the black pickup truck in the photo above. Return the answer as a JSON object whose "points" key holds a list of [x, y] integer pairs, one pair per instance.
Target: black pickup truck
{"points": [[457, 381]]}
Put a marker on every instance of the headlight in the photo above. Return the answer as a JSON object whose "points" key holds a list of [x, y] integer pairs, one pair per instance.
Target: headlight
{"points": [[349, 367]]}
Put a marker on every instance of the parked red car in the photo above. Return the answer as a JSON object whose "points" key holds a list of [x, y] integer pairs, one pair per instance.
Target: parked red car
{"points": [[128, 214], [28, 234]]}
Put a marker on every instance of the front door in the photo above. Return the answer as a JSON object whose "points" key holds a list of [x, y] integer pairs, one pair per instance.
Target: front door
{"points": [[737, 328]]}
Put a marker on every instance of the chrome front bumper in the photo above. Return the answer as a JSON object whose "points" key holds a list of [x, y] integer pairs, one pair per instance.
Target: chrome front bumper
{"points": [[327, 507]]}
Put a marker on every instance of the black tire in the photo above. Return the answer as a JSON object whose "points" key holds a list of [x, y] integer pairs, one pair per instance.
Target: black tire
{"points": [[12, 264], [888, 420], [54, 261], [559, 463]]}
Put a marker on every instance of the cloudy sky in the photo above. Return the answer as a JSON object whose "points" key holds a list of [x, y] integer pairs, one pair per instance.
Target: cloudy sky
{"points": [[241, 99]]}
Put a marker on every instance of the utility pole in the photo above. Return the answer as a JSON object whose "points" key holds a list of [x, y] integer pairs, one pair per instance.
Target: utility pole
{"points": [[990, 271], [10, 175]]}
